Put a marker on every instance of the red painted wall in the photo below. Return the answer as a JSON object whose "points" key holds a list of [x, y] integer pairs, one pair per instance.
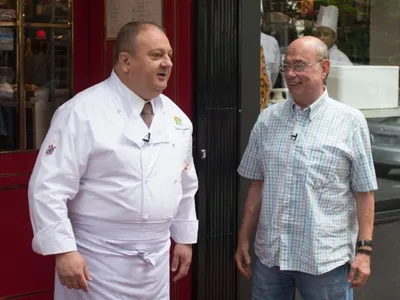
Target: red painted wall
{"points": [[23, 272]]}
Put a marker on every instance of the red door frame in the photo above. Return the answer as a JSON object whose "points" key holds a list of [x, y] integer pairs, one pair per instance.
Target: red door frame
{"points": [[24, 272]]}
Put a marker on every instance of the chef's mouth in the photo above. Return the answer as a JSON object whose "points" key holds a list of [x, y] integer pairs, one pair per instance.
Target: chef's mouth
{"points": [[162, 74]]}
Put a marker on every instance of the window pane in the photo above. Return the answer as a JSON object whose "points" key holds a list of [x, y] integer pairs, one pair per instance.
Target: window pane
{"points": [[363, 38], [7, 10], [47, 11], [47, 78], [9, 106], [392, 121]]}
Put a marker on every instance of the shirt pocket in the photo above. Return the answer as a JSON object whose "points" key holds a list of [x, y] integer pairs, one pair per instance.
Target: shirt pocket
{"points": [[328, 166]]}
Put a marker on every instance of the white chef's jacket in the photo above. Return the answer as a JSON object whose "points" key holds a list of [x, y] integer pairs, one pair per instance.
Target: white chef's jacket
{"points": [[337, 57], [96, 162], [272, 56]]}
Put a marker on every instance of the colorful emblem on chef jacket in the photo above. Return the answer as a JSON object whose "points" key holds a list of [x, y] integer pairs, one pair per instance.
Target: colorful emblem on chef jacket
{"points": [[50, 149], [178, 121]]}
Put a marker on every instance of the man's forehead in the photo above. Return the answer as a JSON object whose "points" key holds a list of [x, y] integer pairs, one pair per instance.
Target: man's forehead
{"points": [[153, 38], [301, 51]]}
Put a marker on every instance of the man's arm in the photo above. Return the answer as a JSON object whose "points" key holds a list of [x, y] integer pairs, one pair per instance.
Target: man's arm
{"points": [[252, 210], [250, 168], [184, 227], [365, 204], [55, 179], [363, 184]]}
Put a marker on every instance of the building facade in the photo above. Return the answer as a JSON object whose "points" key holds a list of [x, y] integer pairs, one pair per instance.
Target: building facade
{"points": [[52, 49]]}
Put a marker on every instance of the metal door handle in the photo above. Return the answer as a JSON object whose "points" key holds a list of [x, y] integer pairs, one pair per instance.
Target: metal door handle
{"points": [[203, 154]]}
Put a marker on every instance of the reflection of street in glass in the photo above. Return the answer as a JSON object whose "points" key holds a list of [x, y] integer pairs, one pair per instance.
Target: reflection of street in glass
{"points": [[385, 141], [389, 187]]}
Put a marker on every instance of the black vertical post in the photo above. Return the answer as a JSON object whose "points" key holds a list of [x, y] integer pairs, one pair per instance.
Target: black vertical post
{"points": [[249, 53]]}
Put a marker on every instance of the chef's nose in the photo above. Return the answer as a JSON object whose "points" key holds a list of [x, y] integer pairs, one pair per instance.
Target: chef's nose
{"points": [[167, 62]]}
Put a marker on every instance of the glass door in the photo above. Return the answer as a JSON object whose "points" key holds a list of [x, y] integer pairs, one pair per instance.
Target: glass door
{"points": [[35, 68]]}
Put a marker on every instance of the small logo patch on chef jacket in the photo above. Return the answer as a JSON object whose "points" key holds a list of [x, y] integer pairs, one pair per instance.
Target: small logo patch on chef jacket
{"points": [[50, 149], [187, 165], [178, 121]]}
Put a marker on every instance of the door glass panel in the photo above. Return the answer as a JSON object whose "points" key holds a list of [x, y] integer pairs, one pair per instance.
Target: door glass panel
{"points": [[9, 124], [8, 10], [363, 38], [47, 11], [47, 77]]}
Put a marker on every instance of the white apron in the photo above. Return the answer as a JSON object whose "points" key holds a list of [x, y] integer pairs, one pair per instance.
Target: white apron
{"points": [[120, 267]]}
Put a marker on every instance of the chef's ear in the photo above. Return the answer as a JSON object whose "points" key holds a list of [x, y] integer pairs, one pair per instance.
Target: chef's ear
{"points": [[124, 61]]}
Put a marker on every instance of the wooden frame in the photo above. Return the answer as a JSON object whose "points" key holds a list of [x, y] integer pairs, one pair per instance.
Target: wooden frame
{"points": [[124, 10]]}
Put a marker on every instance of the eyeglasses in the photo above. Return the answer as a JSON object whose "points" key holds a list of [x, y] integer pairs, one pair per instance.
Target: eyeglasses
{"points": [[297, 67]]}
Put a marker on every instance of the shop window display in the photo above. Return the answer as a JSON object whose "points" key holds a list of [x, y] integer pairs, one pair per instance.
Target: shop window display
{"points": [[35, 69]]}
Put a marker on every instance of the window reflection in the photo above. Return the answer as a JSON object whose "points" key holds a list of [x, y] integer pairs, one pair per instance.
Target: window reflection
{"points": [[363, 37], [8, 90], [47, 78], [46, 11], [7, 10]]}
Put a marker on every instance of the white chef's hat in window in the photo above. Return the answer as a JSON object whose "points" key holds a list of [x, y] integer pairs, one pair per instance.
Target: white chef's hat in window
{"points": [[328, 17]]}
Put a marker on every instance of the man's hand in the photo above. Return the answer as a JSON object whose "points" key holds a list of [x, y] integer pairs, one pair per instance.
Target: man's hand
{"points": [[242, 258], [72, 270], [360, 271], [181, 260]]}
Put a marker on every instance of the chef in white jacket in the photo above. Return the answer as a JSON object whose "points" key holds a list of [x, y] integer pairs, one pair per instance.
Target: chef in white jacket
{"points": [[115, 180], [326, 30]]}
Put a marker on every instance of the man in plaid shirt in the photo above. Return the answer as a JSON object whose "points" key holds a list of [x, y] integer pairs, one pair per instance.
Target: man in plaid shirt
{"points": [[311, 200]]}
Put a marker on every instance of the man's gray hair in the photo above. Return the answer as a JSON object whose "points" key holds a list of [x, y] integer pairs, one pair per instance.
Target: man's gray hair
{"points": [[322, 50], [126, 38]]}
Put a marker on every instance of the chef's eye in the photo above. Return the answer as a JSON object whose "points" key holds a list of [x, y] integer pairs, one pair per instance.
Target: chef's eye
{"points": [[156, 55]]}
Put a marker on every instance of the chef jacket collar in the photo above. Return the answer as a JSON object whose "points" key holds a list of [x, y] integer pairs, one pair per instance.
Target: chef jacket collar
{"points": [[314, 108], [332, 49], [134, 104]]}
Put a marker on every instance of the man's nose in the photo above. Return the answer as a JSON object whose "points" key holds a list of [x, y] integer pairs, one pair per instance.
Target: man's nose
{"points": [[167, 62], [290, 73]]}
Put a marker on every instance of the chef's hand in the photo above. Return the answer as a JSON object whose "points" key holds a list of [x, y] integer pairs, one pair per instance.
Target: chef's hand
{"points": [[181, 260], [72, 270], [360, 270], [242, 258]]}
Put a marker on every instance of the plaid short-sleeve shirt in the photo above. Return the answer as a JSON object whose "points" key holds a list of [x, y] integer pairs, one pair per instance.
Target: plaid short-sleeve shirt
{"points": [[312, 161]]}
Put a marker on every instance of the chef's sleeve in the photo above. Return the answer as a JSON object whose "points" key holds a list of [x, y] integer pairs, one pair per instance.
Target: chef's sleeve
{"points": [[184, 228], [55, 179]]}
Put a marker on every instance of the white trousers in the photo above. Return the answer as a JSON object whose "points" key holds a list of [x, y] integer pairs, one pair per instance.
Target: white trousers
{"points": [[126, 261]]}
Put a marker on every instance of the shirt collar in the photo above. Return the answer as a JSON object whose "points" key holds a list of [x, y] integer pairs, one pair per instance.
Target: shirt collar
{"points": [[333, 48], [131, 102], [314, 108]]}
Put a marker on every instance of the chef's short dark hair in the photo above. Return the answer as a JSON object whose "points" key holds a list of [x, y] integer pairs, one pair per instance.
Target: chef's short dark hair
{"points": [[126, 38]]}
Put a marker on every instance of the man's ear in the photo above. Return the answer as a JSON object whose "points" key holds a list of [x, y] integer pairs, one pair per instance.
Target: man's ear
{"points": [[124, 61], [326, 66]]}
